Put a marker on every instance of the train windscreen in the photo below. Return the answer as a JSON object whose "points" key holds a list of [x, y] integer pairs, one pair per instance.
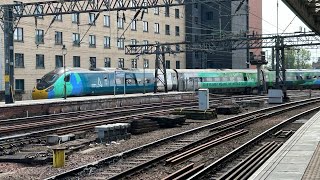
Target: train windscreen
{"points": [[47, 80]]}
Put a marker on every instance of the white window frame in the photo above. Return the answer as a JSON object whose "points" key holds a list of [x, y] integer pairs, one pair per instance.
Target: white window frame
{"points": [[92, 41], [120, 23], [18, 34], [120, 43], [106, 21], [107, 42], [157, 28], [134, 25], [145, 26], [92, 16]]}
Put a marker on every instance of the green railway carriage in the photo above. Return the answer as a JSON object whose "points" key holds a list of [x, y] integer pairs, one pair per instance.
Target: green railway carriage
{"points": [[218, 80], [82, 82]]}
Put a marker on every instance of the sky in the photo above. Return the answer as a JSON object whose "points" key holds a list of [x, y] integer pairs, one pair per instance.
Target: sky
{"points": [[269, 22]]}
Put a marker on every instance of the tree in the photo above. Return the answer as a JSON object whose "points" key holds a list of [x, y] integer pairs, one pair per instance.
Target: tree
{"points": [[297, 59]]}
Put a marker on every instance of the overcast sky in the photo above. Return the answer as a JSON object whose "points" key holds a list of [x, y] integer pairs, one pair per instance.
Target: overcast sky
{"points": [[269, 22]]}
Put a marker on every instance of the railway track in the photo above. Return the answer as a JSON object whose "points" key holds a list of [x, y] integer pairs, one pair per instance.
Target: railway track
{"points": [[247, 163], [181, 145]]}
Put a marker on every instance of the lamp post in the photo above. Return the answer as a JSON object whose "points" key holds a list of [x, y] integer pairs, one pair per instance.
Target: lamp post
{"points": [[144, 75], [64, 52]]}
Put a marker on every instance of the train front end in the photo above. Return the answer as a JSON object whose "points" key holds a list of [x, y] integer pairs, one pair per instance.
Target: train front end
{"points": [[45, 86]]}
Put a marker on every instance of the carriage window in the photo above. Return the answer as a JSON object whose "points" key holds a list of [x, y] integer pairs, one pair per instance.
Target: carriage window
{"points": [[232, 79], [209, 79], [245, 78], [308, 77], [225, 79], [239, 79]]}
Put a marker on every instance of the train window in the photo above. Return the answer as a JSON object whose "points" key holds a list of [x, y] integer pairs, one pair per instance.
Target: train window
{"points": [[232, 78], [225, 79], [308, 77], [245, 78], [209, 79], [67, 78], [239, 79]]}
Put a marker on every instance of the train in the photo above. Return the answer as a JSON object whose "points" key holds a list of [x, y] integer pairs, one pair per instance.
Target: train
{"points": [[108, 81]]}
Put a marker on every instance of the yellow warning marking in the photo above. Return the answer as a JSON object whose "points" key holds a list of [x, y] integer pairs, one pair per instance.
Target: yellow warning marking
{"points": [[6, 78]]}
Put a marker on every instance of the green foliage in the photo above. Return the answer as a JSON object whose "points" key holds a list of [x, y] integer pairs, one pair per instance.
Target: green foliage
{"points": [[297, 59]]}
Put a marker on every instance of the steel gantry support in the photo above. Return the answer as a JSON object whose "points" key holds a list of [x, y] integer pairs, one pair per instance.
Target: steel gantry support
{"points": [[279, 43], [160, 66]]}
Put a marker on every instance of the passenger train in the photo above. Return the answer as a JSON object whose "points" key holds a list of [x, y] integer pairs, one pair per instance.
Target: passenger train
{"points": [[104, 81]]}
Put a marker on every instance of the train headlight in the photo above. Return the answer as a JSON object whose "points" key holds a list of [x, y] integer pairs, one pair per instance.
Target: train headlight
{"points": [[49, 88]]}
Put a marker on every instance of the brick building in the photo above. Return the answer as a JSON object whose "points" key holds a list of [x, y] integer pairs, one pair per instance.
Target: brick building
{"points": [[38, 48]]}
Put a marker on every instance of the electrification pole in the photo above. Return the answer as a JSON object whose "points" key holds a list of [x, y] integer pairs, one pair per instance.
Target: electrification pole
{"points": [[8, 54]]}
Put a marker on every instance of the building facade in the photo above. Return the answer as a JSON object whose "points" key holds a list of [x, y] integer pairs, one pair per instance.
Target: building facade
{"points": [[222, 19], [255, 23], [38, 42]]}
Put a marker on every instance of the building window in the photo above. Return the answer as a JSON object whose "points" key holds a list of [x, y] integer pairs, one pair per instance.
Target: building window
{"points": [[156, 28], [167, 11], [177, 47], [76, 61], [209, 15], [145, 42], [133, 4], [39, 36], [121, 63], [120, 43], [167, 29], [106, 21], [20, 84], [39, 61], [167, 64], [107, 62], [58, 38], [38, 11], [93, 62], [195, 6], [156, 10], [58, 17], [176, 13], [75, 18], [106, 42], [177, 64], [145, 26], [92, 41], [144, 4], [134, 63], [92, 17], [134, 25], [18, 34], [177, 31], [120, 23], [146, 63], [134, 42], [59, 61], [19, 60], [76, 39], [196, 20], [168, 48]]}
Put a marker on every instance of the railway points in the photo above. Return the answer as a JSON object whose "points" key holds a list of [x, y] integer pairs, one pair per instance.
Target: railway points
{"points": [[84, 149]]}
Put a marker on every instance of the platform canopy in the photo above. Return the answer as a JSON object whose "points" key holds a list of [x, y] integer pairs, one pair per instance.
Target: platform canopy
{"points": [[308, 11]]}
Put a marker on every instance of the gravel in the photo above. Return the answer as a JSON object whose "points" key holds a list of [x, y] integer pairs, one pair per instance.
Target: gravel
{"points": [[22, 171]]}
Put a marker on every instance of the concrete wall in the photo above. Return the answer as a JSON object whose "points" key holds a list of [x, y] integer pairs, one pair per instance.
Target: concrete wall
{"points": [[239, 28], [45, 108], [49, 49]]}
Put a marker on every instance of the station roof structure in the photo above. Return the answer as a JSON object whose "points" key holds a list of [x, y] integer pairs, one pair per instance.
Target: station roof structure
{"points": [[308, 11]]}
